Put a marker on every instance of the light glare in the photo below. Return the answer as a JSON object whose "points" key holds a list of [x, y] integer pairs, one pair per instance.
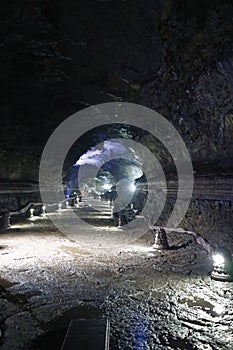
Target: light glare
{"points": [[219, 309], [132, 188], [218, 259]]}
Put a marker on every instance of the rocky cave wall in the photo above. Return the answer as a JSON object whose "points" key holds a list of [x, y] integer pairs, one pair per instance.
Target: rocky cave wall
{"points": [[59, 57]]}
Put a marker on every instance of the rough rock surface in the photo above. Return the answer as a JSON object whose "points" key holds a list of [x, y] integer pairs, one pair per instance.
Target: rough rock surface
{"points": [[154, 299], [59, 57]]}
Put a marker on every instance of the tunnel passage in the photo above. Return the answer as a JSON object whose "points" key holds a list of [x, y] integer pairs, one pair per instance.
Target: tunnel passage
{"points": [[114, 152], [86, 146], [104, 165]]}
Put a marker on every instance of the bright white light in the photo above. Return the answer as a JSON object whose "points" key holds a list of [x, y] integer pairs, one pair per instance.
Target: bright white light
{"points": [[219, 309], [132, 188], [148, 250], [218, 259], [107, 186], [31, 212]]}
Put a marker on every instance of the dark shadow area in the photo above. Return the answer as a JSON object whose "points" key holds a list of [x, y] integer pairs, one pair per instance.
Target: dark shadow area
{"points": [[182, 246], [55, 331]]}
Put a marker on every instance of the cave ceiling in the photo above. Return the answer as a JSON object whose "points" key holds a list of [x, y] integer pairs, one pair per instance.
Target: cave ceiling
{"points": [[59, 57]]}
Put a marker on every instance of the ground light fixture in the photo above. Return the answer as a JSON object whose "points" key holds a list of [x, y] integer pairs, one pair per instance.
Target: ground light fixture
{"points": [[43, 209], [5, 220], [222, 265], [76, 204], [160, 239]]}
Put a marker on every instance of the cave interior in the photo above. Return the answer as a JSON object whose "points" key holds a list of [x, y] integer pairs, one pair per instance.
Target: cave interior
{"points": [[60, 59]]}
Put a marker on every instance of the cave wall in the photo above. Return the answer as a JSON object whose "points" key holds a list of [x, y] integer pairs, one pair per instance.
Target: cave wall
{"points": [[58, 57]]}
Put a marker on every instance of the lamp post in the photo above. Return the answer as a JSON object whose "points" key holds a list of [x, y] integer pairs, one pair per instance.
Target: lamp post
{"points": [[222, 266]]}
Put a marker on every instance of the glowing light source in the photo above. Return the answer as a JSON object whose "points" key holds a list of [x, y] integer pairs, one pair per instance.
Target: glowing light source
{"points": [[132, 188], [218, 259], [43, 209], [222, 267], [218, 309], [32, 212]]}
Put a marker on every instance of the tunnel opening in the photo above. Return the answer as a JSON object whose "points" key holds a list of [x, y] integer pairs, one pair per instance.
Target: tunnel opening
{"points": [[106, 155], [97, 173], [107, 140]]}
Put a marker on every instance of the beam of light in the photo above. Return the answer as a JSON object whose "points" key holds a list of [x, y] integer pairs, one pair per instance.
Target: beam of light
{"points": [[218, 259], [20, 226], [141, 249]]}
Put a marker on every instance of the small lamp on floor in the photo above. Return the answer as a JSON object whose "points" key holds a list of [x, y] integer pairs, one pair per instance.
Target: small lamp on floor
{"points": [[32, 212], [222, 267], [160, 239], [43, 208]]}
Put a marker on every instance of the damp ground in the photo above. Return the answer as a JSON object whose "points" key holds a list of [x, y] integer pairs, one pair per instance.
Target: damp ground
{"points": [[153, 299]]}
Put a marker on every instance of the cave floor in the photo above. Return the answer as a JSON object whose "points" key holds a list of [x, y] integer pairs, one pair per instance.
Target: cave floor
{"points": [[153, 299]]}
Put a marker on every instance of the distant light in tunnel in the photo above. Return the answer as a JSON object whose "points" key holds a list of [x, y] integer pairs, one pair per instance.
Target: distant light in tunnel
{"points": [[132, 188], [107, 186]]}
